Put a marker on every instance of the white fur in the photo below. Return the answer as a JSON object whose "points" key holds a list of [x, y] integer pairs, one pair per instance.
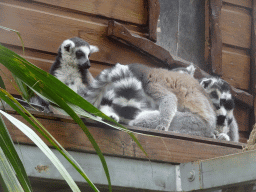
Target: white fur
{"points": [[107, 110]]}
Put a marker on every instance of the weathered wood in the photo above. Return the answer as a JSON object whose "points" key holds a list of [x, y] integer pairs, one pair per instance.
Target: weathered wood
{"points": [[236, 26], [133, 11], [45, 30], [174, 148], [244, 3], [162, 57], [242, 115], [216, 37], [154, 12], [207, 33], [253, 65], [236, 67]]}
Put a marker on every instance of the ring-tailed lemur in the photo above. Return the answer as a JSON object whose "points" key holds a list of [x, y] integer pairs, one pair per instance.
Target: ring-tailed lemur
{"points": [[71, 66], [169, 97], [220, 94]]}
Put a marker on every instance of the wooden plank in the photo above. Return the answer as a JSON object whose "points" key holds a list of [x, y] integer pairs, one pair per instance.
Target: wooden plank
{"points": [[45, 31], [154, 12], [207, 34], [236, 26], [215, 34], [118, 143], [133, 11], [253, 60], [244, 3], [236, 67], [242, 115]]}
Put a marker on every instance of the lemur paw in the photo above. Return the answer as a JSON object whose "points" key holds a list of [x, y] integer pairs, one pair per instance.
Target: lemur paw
{"points": [[162, 128], [114, 116], [223, 136]]}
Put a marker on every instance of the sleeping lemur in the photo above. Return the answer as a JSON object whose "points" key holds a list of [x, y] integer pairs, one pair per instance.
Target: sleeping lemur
{"points": [[166, 97], [220, 94], [71, 67]]}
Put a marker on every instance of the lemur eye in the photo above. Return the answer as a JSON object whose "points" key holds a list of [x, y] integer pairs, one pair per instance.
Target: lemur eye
{"points": [[79, 54], [214, 95]]}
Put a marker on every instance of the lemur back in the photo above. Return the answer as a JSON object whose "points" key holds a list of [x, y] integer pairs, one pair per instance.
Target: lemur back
{"points": [[71, 67], [166, 93]]}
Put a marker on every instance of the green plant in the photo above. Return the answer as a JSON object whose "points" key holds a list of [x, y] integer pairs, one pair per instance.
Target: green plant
{"points": [[29, 77]]}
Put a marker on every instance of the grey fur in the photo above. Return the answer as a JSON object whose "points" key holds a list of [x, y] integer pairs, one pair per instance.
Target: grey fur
{"points": [[224, 106], [163, 107]]}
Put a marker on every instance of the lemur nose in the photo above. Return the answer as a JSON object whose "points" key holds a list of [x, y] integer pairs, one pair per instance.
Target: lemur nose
{"points": [[87, 64]]}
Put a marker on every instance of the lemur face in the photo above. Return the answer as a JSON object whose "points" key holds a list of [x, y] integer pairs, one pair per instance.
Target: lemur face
{"points": [[220, 94], [77, 52]]}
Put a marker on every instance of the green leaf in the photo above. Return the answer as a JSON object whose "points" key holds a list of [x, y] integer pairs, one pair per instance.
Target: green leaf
{"points": [[12, 102], [9, 150], [54, 90], [44, 148], [8, 175], [24, 89], [17, 32]]}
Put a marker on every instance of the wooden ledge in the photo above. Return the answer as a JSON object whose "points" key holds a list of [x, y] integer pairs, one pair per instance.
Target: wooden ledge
{"points": [[163, 57], [162, 146]]}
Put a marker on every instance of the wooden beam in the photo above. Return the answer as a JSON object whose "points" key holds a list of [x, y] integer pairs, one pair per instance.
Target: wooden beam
{"points": [[207, 34], [162, 146], [162, 57], [253, 64], [215, 35], [154, 12]]}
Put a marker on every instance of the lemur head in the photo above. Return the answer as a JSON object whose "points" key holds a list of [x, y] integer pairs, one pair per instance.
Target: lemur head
{"points": [[76, 52], [220, 94], [189, 70]]}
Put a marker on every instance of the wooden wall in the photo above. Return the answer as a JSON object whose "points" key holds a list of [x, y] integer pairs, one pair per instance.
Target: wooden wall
{"points": [[44, 24], [229, 50]]}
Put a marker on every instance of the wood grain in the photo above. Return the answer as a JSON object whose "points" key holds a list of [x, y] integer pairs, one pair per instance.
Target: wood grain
{"points": [[242, 115], [207, 34], [154, 12], [253, 65], [236, 26], [133, 11], [117, 143], [216, 36], [45, 31], [236, 67], [244, 3]]}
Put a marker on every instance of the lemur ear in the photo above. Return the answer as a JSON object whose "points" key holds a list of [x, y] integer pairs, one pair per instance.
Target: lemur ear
{"points": [[191, 69], [206, 83], [67, 47], [93, 49]]}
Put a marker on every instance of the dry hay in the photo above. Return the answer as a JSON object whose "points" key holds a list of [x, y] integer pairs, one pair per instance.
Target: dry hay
{"points": [[251, 142]]}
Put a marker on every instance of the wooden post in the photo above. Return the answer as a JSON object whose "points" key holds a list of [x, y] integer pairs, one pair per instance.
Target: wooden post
{"points": [[253, 57], [154, 12], [215, 34]]}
